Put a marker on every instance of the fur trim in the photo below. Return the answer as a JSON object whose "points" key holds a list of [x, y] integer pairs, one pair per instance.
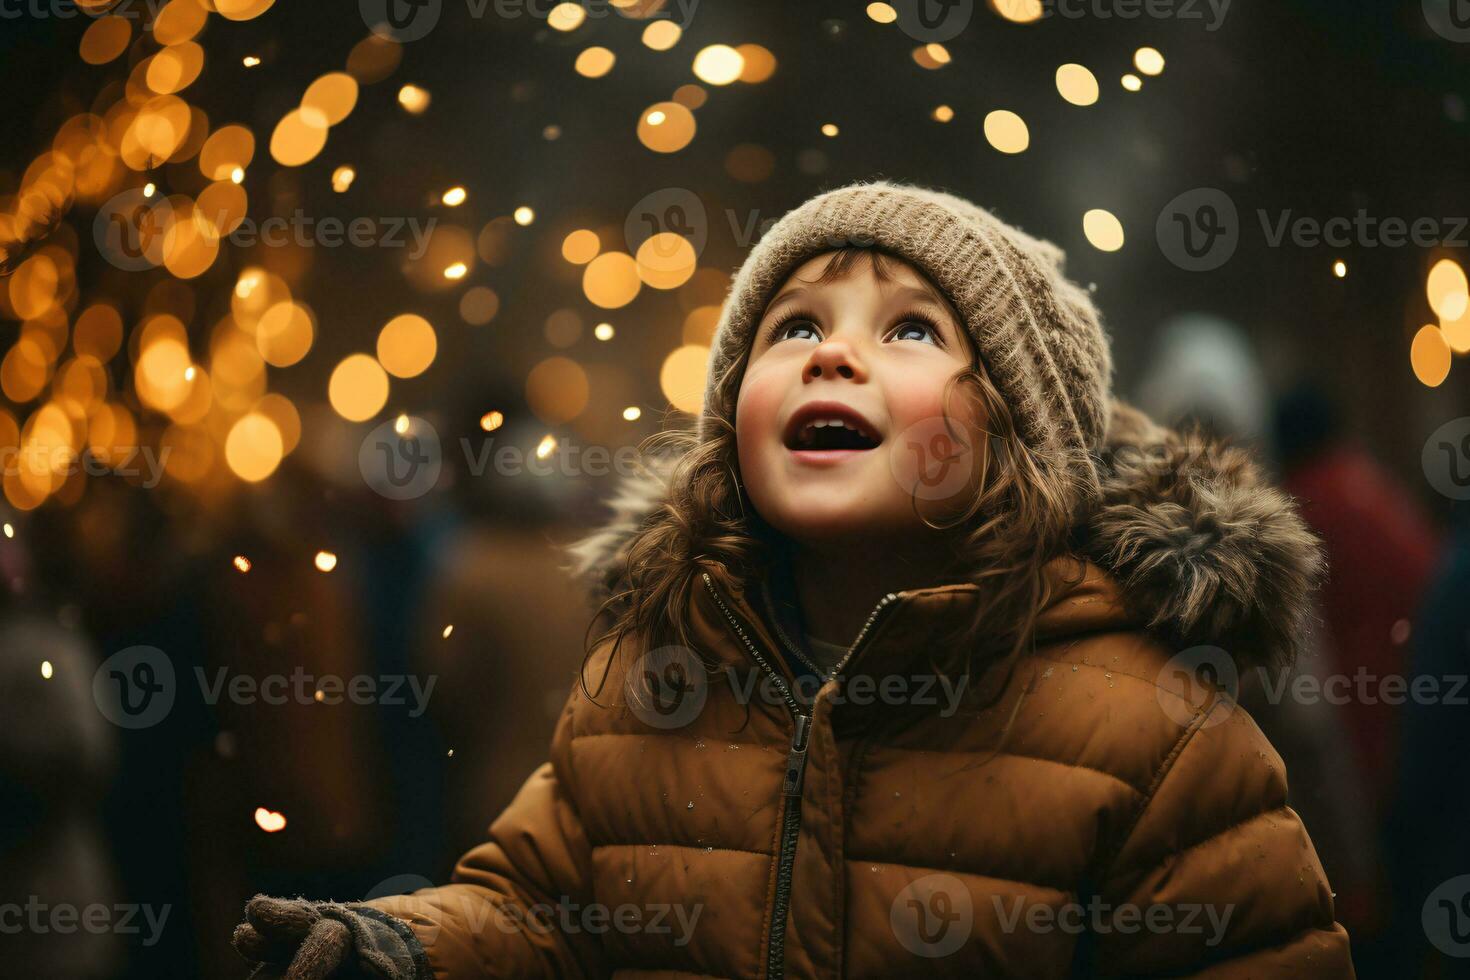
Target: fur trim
{"points": [[1204, 549]]}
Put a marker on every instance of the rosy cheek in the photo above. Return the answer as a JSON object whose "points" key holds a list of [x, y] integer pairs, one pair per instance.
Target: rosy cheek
{"points": [[756, 413]]}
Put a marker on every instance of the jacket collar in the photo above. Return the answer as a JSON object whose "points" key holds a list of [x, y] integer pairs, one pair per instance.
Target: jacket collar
{"points": [[905, 627]]}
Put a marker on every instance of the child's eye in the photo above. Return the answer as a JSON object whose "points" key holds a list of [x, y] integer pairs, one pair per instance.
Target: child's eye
{"points": [[914, 326], [794, 326]]}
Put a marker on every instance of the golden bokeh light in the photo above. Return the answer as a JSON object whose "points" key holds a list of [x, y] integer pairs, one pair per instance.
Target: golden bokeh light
{"points": [[358, 388], [280, 410], [226, 149], [666, 127], [285, 333], [580, 246], [1103, 230], [881, 13], [1007, 131], [454, 197], [407, 345], [1148, 61], [242, 9], [415, 100], [179, 21], [98, 332], [329, 100], [759, 64], [1019, 11], [1077, 85], [594, 62], [1132, 82], [666, 260], [611, 280], [297, 140], [566, 16], [1447, 290], [478, 305], [718, 64], [254, 447], [1430, 356], [105, 39], [557, 390], [682, 377], [342, 179], [661, 35]]}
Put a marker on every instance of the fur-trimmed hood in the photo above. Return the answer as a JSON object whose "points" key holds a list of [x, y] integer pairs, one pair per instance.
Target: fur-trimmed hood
{"points": [[1204, 549]]}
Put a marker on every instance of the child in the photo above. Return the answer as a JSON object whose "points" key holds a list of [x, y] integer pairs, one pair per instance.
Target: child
{"points": [[899, 676]]}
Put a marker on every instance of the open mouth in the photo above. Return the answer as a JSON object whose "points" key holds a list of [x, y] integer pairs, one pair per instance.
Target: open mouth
{"points": [[821, 428]]}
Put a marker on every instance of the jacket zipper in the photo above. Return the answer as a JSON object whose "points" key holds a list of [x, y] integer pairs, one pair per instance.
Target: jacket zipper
{"points": [[795, 770]]}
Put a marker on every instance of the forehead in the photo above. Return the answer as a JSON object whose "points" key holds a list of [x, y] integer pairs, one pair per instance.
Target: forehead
{"points": [[889, 274]]}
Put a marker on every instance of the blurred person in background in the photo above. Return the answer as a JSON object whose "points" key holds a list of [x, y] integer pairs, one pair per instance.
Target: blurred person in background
{"points": [[1206, 373], [58, 756], [1428, 813]]}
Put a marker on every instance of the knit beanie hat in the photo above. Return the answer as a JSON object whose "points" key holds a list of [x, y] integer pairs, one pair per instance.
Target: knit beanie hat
{"points": [[1038, 334]]}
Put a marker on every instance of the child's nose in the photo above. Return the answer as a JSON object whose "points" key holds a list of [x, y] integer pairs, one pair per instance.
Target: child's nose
{"points": [[834, 358]]}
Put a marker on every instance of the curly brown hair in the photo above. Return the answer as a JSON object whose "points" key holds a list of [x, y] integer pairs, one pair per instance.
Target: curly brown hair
{"points": [[1018, 522]]}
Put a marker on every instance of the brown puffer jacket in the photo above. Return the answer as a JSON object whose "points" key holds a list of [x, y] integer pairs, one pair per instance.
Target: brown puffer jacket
{"points": [[1112, 812]]}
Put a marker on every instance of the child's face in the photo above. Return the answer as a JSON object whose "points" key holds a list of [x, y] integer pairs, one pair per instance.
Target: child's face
{"points": [[876, 355]]}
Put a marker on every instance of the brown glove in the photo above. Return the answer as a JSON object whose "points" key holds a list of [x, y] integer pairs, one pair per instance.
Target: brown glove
{"points": [[296, 939]]}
